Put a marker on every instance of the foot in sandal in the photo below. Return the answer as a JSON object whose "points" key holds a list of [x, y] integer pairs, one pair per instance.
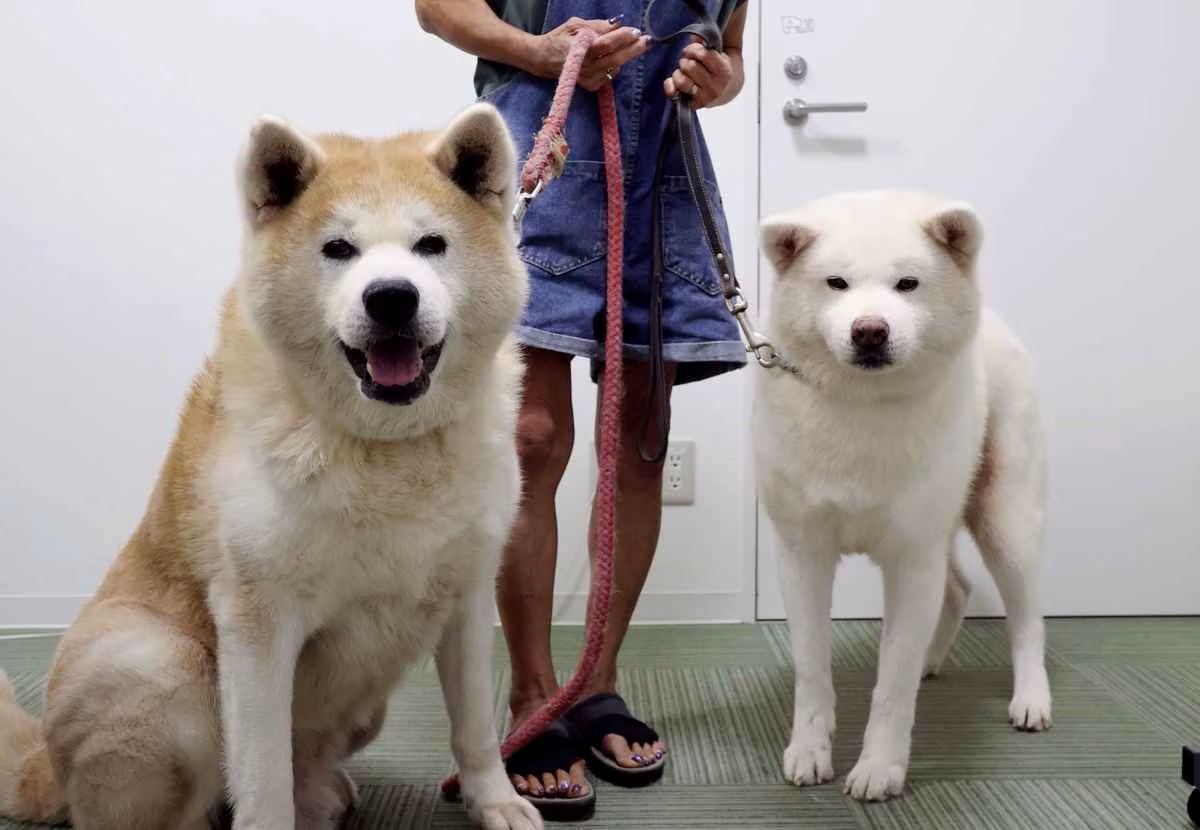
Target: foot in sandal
{"points": [[549, 773], [619, 748]]}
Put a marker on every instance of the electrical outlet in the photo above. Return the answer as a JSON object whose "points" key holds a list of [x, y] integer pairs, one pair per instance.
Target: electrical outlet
{"points": [[679, 473]]}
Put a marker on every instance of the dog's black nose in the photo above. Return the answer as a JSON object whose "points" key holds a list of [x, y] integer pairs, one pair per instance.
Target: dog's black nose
{"points": [[391, 303], [869, 332]]}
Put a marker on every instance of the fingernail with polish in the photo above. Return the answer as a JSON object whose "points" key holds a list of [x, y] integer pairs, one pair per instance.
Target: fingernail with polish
{"points": [[616, 18]]}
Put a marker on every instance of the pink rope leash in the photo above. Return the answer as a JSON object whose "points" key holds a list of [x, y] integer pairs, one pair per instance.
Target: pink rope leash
{"points": [[539, 166], [539, 169]]}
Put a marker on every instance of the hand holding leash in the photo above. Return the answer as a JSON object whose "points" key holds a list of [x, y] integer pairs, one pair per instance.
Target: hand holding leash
{"points": [[613, 47], [704, 76]]}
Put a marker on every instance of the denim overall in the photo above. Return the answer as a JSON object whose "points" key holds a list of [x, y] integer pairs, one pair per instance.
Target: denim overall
{"points": [[563, 237]]}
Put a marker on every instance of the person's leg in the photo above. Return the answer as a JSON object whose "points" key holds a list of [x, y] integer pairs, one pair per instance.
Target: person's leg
{"points": [[525, 585], [639, 516]]}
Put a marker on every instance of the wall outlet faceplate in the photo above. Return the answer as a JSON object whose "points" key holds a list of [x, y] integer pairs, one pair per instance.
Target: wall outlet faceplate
{"points": [[679, 473]]}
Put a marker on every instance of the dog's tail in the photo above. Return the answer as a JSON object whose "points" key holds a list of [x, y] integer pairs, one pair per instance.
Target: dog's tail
{"points": [[29, 790]]}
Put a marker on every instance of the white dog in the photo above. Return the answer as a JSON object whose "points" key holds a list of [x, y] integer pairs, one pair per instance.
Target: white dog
{"points": [[332, 509], [917, 413]]}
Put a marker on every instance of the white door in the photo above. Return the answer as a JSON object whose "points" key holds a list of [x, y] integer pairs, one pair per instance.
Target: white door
{"points": [[1074, 127]]}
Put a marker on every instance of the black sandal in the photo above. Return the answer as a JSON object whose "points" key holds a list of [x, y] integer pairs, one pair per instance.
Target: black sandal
{"points": [[607, 714], [556, 748]]}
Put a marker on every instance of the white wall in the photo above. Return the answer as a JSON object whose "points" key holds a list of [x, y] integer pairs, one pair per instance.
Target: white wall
{"points": [[119, 231]]}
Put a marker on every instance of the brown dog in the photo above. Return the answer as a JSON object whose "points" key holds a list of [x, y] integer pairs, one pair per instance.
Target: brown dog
{"points": [[332, 508]]}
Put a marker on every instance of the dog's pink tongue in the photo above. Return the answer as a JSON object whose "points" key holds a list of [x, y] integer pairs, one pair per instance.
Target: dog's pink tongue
{"points": [[394, 362]]}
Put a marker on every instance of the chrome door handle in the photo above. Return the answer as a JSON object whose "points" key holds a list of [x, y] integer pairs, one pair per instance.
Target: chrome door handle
{"points": [[796, 112]]}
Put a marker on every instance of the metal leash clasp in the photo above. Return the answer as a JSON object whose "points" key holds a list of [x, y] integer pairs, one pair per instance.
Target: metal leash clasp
{"points": [[522, 205], [756, 342]]}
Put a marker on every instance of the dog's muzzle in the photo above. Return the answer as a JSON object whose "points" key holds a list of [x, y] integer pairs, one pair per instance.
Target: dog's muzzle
{"points": [[870, 336], [394, 365]]}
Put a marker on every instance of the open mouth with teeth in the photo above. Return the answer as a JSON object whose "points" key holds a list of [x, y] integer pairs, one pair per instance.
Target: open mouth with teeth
{"points": [[394, 370]]}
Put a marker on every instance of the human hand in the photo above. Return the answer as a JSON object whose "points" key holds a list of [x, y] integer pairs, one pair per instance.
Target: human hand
{"points": [[615, 47], [705, 75]]}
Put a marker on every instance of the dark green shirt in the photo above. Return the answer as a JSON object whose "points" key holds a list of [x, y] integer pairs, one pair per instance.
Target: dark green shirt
{"points": [[530, 16]]}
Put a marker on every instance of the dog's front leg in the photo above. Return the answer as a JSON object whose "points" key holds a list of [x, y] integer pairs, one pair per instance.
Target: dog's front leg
{"points": [[258, 642], [806, 574], [914, 582], [464, 662]]}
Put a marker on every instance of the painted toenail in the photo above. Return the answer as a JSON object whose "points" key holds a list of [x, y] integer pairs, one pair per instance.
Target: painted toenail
{"points": [[638, 758], [562, 787], [658, 755], [577, 789]]}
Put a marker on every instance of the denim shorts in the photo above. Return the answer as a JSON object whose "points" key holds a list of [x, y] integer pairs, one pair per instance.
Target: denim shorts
{"points": [[564, 234]]}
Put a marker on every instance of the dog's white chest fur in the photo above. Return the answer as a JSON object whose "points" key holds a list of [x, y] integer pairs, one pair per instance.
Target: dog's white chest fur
{"points": [[862, 468], [340, 523]]}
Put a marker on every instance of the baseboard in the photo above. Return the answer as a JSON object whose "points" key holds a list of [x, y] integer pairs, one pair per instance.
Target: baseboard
{"points": [[664, 608], [39, 610], [19, 611]]}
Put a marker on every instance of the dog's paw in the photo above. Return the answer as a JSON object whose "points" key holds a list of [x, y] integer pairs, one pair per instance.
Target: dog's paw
{"points": [[1030, 708], [516, 814], [808, 760], [876, 779], [493, 804]]}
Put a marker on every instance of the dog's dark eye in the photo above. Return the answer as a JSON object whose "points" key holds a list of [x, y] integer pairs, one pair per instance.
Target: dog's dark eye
{"points": [[907, 284], [837, 283], [431, 244], [339, 249]]}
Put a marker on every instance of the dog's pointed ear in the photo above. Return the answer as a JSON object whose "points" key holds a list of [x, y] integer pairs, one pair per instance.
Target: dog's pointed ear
{"points": [[477, 153], [278, 164], [956, 227], [783, 240]]}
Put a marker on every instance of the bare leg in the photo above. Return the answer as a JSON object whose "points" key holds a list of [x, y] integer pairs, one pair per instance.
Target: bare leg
{"points": [[525, 585], [639, 517]]}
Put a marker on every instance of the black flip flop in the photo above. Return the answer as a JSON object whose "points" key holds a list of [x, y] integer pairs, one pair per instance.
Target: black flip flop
{"points": [[556, 748], [607, 714]]}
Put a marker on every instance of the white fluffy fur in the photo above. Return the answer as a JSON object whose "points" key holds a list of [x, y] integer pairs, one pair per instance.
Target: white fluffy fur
{"points": [[892, 461]]}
